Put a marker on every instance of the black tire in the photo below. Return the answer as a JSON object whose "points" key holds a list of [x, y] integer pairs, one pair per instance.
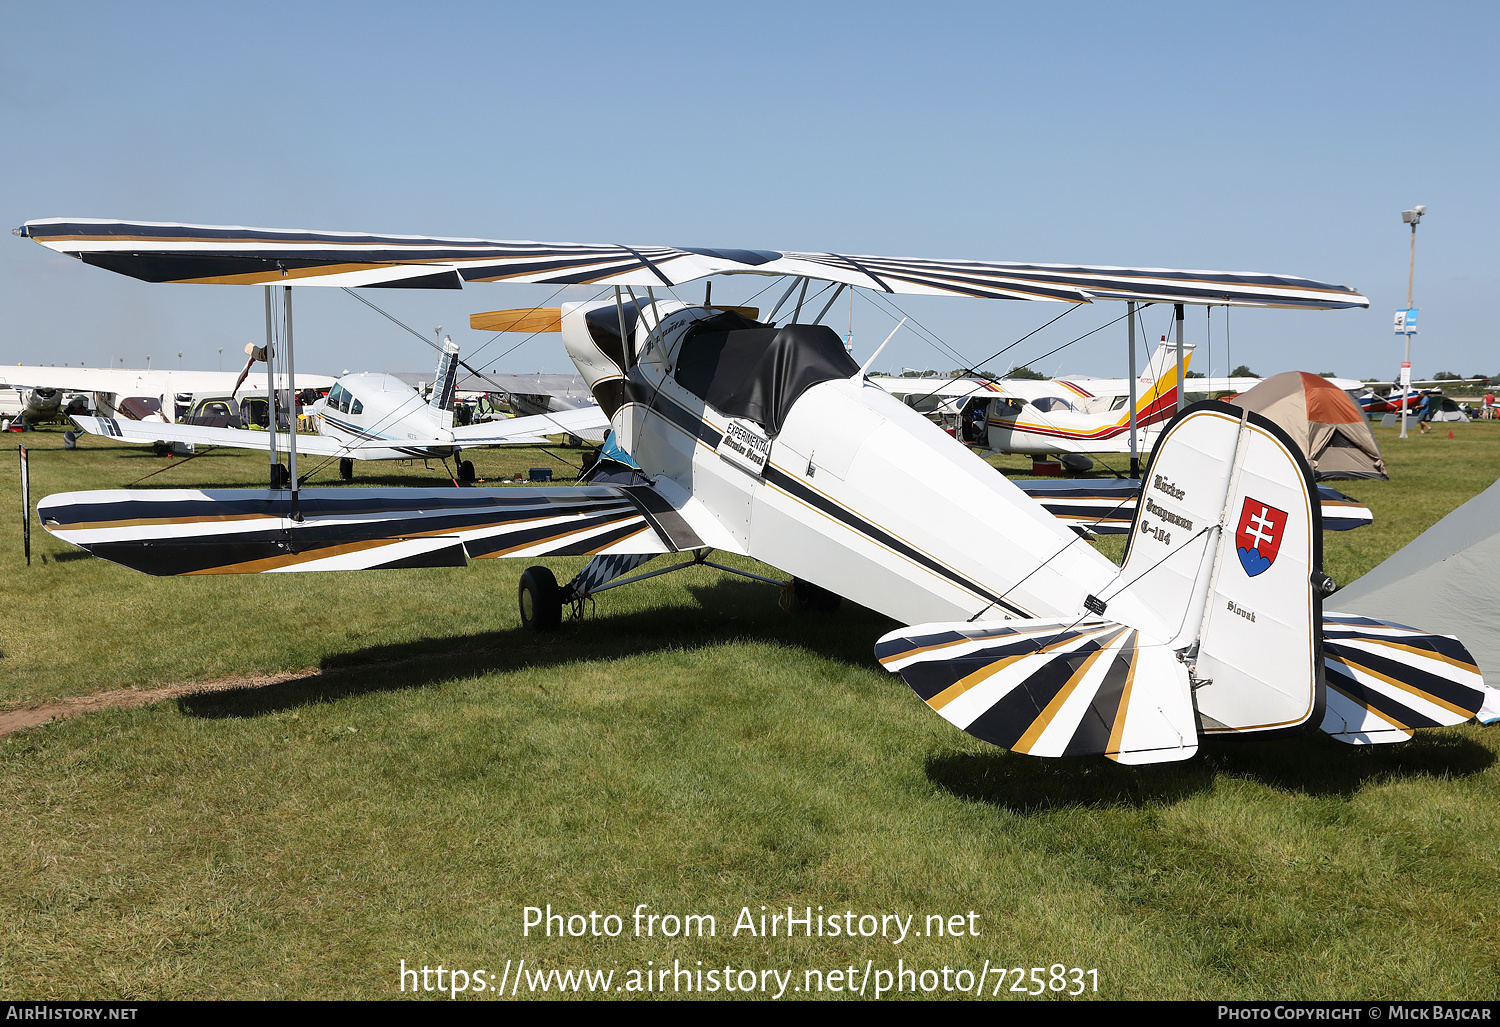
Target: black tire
{"points": [[815, 598], [466, 470], [161, 449], [281, 478], [346, 468], [540, 600]]}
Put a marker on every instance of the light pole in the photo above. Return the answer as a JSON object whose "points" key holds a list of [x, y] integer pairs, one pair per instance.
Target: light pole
{"points": [[221, 358], [1406, 324]]}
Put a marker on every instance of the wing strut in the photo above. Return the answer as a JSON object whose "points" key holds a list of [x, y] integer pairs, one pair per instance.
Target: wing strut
{"points": [[278, 476], [1135, 442], [271, 389]]}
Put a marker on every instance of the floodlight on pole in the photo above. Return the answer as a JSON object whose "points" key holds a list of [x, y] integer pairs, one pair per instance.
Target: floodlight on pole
{"points": [[1407, 319]]}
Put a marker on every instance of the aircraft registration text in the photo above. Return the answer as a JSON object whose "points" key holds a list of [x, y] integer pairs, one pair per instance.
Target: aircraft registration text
{"points": [[744, 446]]}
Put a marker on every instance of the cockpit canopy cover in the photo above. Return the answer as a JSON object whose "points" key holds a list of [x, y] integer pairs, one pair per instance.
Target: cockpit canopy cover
{"points": [[745, 369]]}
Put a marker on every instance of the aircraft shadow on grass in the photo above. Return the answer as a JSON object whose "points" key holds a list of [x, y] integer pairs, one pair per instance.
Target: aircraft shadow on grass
{"points": [[734, 609], [1312, 765], [726, 611]]}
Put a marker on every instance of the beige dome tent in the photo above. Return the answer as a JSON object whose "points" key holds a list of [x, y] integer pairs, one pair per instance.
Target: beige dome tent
{"points": [[1323, 420]]}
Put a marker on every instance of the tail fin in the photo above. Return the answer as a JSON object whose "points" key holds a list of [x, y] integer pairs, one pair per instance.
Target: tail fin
{"points": [[1156, 391], [1225, 552], [1163, 362], [445, 378], [1217, 610]]}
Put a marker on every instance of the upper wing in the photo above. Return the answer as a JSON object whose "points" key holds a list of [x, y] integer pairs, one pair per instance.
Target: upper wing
{"points": [[231, 254], [128, 382], [948, 388]]}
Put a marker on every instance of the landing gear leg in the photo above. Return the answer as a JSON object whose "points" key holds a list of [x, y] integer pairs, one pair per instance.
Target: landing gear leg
{"points": [[814, 597]]}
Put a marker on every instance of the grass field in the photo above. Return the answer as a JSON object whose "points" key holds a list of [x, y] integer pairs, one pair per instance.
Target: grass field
{"points": [[423, 771]]}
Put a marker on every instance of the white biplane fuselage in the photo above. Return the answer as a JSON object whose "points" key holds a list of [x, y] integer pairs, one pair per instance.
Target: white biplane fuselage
{"points": [[856, 492]]}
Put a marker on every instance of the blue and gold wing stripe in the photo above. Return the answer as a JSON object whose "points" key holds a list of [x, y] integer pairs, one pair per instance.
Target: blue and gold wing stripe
{"points": [[235, 255], [250, 531], [1386, 679]]}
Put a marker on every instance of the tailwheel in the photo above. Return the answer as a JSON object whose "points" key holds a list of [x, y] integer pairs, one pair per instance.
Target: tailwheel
{"points": [[814, 597], [541, 600], [346, 468]]}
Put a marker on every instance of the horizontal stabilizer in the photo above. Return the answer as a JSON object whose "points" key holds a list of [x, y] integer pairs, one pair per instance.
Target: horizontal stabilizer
{"points": [[1051, 688], [1385, 679]]}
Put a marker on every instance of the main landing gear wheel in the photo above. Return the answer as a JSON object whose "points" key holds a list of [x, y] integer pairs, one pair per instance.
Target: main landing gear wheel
{"points": [[813, 597], [466, 470], [346, 468], [281, 477], [541, 600]]}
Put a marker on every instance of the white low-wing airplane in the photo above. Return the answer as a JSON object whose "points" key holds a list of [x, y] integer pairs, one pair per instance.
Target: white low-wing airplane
{"points": [[769, 441], [371, 416]]}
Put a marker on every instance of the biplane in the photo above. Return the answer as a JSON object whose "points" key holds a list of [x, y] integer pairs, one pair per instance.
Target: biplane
{"points": [[763, 437]]}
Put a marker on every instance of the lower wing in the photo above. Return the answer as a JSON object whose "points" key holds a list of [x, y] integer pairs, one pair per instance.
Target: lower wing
{"points": [[248, 531]]}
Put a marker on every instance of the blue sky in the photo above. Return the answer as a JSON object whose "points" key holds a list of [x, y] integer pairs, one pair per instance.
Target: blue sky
{"points": [[1269, 137]]}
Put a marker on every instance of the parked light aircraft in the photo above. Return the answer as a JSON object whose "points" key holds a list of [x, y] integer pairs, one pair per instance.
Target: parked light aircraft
{"points": [[1067, 417], [1386, 397], [131, 394], [1051, 416], [371, 416], [769, 441]]}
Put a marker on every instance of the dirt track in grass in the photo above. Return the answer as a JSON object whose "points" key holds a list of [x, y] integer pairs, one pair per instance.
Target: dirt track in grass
{"points": [[22, 717]]}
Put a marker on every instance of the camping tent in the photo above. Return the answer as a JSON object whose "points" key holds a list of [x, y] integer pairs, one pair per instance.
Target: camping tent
{"points": [[1324, 421], [1446, 581]]}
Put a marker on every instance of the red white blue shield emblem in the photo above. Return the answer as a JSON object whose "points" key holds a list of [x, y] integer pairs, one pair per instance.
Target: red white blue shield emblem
{"points": [[1259, 535]]}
